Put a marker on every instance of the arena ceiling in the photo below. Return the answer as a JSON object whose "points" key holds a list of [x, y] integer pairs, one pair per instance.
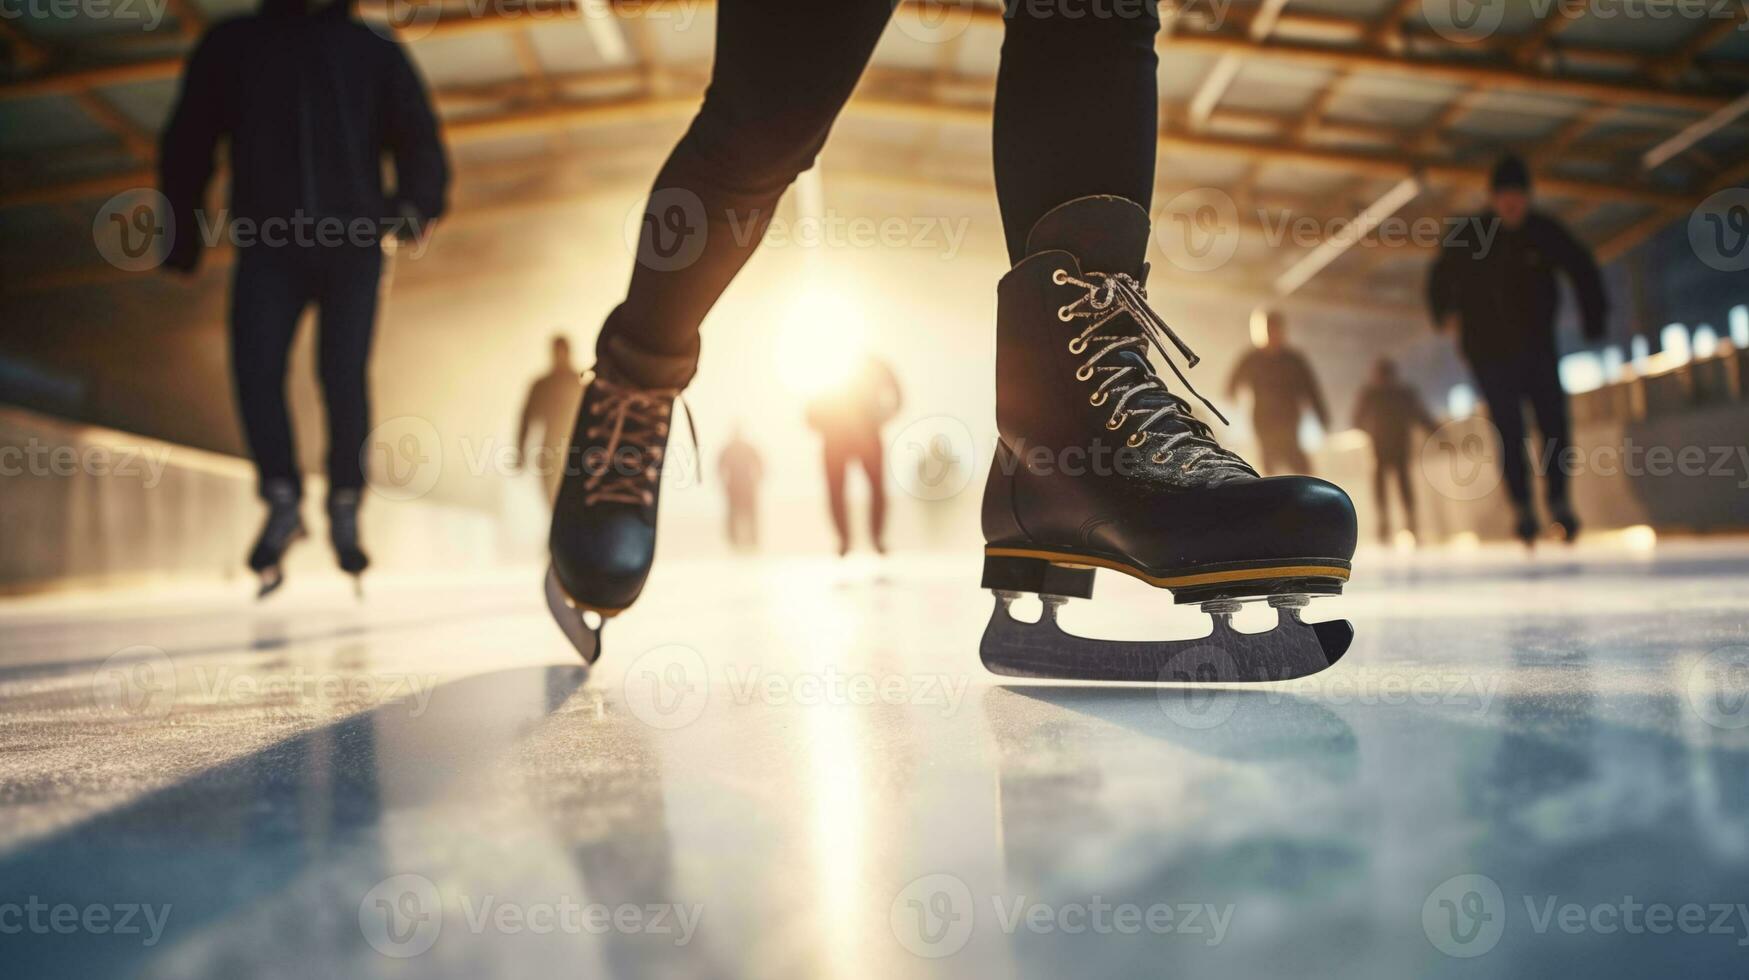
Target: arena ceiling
{"points": [[1293, 110]]}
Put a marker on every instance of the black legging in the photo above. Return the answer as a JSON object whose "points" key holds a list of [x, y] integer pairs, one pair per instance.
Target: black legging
{"points": [[268, 297], [1076, 114]]}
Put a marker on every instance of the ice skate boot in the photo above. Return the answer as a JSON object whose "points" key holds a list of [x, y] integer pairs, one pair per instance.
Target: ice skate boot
{"points": [[1562, 515], [343, 534], [1526, 527], [1101, 465], [604, 521], [284, 527]]}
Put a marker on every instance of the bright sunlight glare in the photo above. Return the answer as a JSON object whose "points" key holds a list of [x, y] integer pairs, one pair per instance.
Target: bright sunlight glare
{"points": [[820, 342]]}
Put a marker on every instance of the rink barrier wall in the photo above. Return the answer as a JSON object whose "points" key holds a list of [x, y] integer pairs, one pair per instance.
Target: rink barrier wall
{"points": [[81, 506]]}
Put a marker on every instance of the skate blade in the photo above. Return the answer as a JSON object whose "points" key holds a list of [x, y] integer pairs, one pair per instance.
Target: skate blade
{"points": [[572, 619], [271, 580], [1043, 649]]}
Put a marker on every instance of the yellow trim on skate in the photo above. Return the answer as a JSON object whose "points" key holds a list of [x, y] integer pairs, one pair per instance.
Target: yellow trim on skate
{"points": [[1176, 581], [586, 607]]}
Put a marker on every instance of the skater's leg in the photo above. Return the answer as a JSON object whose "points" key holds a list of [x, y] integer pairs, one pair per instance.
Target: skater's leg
{"points": [[837, 461], [874, 467], [1505, 400], [348, 298], [1381, 499], [1549, 403], [268, 296], [1077, 110], [1406, 488], [784, 69]]}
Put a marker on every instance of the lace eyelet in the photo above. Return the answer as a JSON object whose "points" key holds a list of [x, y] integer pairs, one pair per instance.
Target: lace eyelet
{"points": [[1099, 398], [1114, 423], [1158, 460], [1078, 345], [1084, 373], [1060, 277], [1135, 441], [1063, 313]]}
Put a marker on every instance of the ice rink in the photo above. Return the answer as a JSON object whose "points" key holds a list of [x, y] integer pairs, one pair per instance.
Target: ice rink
{"points": [[800, 769]]}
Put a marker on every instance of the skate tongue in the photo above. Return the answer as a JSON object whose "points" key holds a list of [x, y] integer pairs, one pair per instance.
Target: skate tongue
{"points": [[1107, 234]]}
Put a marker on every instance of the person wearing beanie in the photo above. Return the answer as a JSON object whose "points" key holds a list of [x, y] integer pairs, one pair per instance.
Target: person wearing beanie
{"points": [[1494, 285]]}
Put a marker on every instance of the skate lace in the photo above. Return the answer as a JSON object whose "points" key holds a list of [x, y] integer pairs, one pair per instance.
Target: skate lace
{"points": [[1140, 391], [632, 418]]}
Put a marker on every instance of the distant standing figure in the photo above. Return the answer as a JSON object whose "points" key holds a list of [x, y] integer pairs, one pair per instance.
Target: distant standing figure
{"points": [[850, 420], [552, 404], [1389, 412], [741, 471], [308, 101], [1282, 388], [1500, 297]]}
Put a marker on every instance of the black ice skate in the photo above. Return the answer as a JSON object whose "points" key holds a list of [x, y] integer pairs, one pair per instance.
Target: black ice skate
{"points": [[284, 527], [1100, 465], [343, 534], [1527, 527], [1563, 516], [604, 520]]}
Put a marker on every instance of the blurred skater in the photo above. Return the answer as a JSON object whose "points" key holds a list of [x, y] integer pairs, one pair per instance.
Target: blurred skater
{"points": [[552, 405], [849, 420], [1495, 287], [741, 470], [1389, 412], [1282, 388], [309, 100]]}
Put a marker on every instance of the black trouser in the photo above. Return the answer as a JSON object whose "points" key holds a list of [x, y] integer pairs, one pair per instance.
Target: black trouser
{"points": [[865, 450], [271, 288], [1389, 467], [1507, 383], [1076, 114]]}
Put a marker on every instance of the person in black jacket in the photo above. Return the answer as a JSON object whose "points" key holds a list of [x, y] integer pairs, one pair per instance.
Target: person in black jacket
{"points": [[1500, 297], [310, 100], [1389, 411], [1282, 388]]}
